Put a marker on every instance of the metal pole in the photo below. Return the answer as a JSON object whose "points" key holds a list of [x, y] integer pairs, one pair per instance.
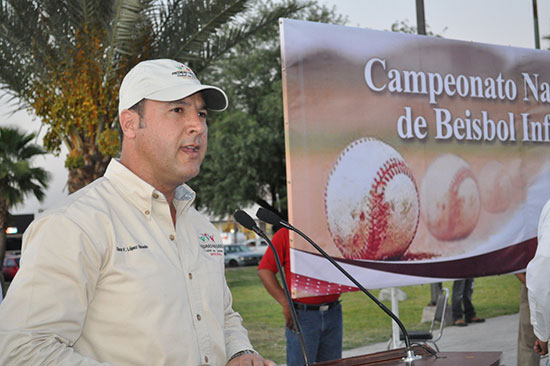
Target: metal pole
{"points": [[420, 21], [395, 327], [536, 23]]}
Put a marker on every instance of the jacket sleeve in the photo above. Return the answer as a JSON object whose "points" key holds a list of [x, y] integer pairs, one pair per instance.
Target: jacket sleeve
{"points": [[538, 273], [42, 316]]}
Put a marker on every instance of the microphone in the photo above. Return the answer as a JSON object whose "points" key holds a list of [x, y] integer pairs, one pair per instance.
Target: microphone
{"points": [[245, 220], [274, 219]]}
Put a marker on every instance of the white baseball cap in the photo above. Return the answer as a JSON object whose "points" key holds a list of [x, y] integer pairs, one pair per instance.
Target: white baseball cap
{"points": [[166, 80]]}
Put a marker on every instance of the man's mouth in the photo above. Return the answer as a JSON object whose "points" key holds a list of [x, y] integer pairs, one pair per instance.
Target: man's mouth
{"points": [[191, 148]]}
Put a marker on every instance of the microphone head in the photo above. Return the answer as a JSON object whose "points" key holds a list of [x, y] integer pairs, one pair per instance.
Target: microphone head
{"points": [[268, 216], [244, 219]]}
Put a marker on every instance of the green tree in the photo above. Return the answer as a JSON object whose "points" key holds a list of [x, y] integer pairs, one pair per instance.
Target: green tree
{"points": [[245, 162], [63, 60], [403, 26], [18, 178]]}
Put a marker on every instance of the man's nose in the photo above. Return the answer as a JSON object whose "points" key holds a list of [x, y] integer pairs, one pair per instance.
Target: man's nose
{"points": [[196, 124]]}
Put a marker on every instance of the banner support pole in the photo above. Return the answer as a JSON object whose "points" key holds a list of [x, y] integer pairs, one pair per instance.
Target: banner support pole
{"points": [[536, 25], [420, 18], [395, 310]]}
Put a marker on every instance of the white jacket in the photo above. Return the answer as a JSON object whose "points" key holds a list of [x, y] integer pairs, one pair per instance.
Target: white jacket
{"points": [[106, 279], [538, 273]]}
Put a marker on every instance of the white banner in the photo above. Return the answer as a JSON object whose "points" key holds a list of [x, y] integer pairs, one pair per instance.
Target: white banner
{"points": [[412, 159]]}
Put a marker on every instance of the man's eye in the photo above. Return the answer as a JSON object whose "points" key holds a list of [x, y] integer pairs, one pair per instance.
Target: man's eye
{"points": [[177, 110], [203, 114]]}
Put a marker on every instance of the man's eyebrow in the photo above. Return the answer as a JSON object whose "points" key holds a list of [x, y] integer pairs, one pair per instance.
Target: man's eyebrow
{"points": [[183, 102]]}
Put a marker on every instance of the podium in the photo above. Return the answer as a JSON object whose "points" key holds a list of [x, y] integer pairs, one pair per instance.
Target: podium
{"points": [[429, 358]]}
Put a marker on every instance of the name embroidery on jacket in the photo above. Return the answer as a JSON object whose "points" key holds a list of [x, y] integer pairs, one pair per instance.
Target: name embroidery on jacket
{"points": [[131, 248]]}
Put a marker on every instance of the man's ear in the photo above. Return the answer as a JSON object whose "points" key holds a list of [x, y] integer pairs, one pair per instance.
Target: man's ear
{"points": [[129, 123]]}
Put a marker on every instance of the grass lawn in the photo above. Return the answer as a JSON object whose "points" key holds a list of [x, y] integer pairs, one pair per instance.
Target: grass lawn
{"points": [[364, 321]]}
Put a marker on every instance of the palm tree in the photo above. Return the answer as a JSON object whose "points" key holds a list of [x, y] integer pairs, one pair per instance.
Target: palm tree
{"points": [[64, 60], [18, 178]]}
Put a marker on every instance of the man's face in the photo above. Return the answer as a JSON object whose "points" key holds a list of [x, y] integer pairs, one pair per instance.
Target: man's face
{"points": [[172, 139]]}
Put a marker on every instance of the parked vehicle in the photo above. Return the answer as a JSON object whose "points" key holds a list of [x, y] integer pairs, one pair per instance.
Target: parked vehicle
{"points": [[240, 255], [11, 266], [257, 244]]}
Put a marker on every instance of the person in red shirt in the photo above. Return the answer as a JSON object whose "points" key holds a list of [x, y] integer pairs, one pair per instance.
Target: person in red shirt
{"points": [[320, 317]]}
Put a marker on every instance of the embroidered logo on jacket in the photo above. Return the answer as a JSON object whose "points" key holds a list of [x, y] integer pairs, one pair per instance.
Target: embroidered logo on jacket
{"points": [[205, 236], [209, 246]]}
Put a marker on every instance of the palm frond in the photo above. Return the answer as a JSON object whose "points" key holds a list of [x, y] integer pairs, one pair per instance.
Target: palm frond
{"points": [[16, 44], [222, 42], [213, 24], [127, 16], [18, 178], [187, 25]]}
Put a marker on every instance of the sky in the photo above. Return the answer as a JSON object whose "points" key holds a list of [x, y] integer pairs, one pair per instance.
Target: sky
{"points": [[501, 22]]}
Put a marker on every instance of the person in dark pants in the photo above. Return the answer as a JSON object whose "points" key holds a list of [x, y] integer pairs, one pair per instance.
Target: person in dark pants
{"points": [[462, 296], [435, 291], [320, 317]]}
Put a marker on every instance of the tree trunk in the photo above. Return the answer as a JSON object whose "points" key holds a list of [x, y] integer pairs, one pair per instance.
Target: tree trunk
{"points": [[94, 167], [3, 223]]}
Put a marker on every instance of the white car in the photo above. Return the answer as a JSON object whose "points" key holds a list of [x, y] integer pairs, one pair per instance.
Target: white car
{"points": [[257, 244], [237, 255]]}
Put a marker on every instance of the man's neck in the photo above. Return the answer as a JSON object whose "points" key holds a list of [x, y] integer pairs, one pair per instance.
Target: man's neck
{"points": [[169, 191]]}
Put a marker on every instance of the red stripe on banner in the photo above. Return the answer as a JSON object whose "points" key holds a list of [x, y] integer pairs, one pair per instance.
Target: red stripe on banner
{"points": [[506, 260], [304, 286]]}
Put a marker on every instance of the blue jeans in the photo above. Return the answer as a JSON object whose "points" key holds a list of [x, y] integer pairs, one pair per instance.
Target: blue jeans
{"points": [[322, 332]]}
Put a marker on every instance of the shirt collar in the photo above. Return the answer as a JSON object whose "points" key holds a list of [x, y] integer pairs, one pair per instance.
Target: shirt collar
{"points": [[184, 193], [138, 191]]}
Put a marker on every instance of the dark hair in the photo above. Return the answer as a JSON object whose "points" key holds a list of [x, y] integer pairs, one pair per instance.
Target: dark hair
{"points": [[138, 108]]}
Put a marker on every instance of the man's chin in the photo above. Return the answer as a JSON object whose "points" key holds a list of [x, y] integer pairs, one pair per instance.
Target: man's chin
{"points": [[190, 174]]}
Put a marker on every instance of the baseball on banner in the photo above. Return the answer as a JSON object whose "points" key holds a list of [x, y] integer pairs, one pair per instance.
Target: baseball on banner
{"points": [[371, 201], [495, 187], [450, 198]]}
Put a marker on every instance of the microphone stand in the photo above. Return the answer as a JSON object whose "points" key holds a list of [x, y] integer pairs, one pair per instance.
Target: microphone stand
{"points": [[249, 223], [267, 216]]}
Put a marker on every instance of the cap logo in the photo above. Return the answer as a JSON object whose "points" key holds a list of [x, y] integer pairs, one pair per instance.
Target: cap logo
{"points": [[184, 72]]}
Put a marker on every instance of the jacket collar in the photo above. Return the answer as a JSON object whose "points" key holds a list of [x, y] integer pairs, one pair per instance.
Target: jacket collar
{"points": [[141, 193]]}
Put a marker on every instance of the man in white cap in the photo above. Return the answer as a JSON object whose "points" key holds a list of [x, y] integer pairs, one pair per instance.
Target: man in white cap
{"points": [[126, 271]]}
